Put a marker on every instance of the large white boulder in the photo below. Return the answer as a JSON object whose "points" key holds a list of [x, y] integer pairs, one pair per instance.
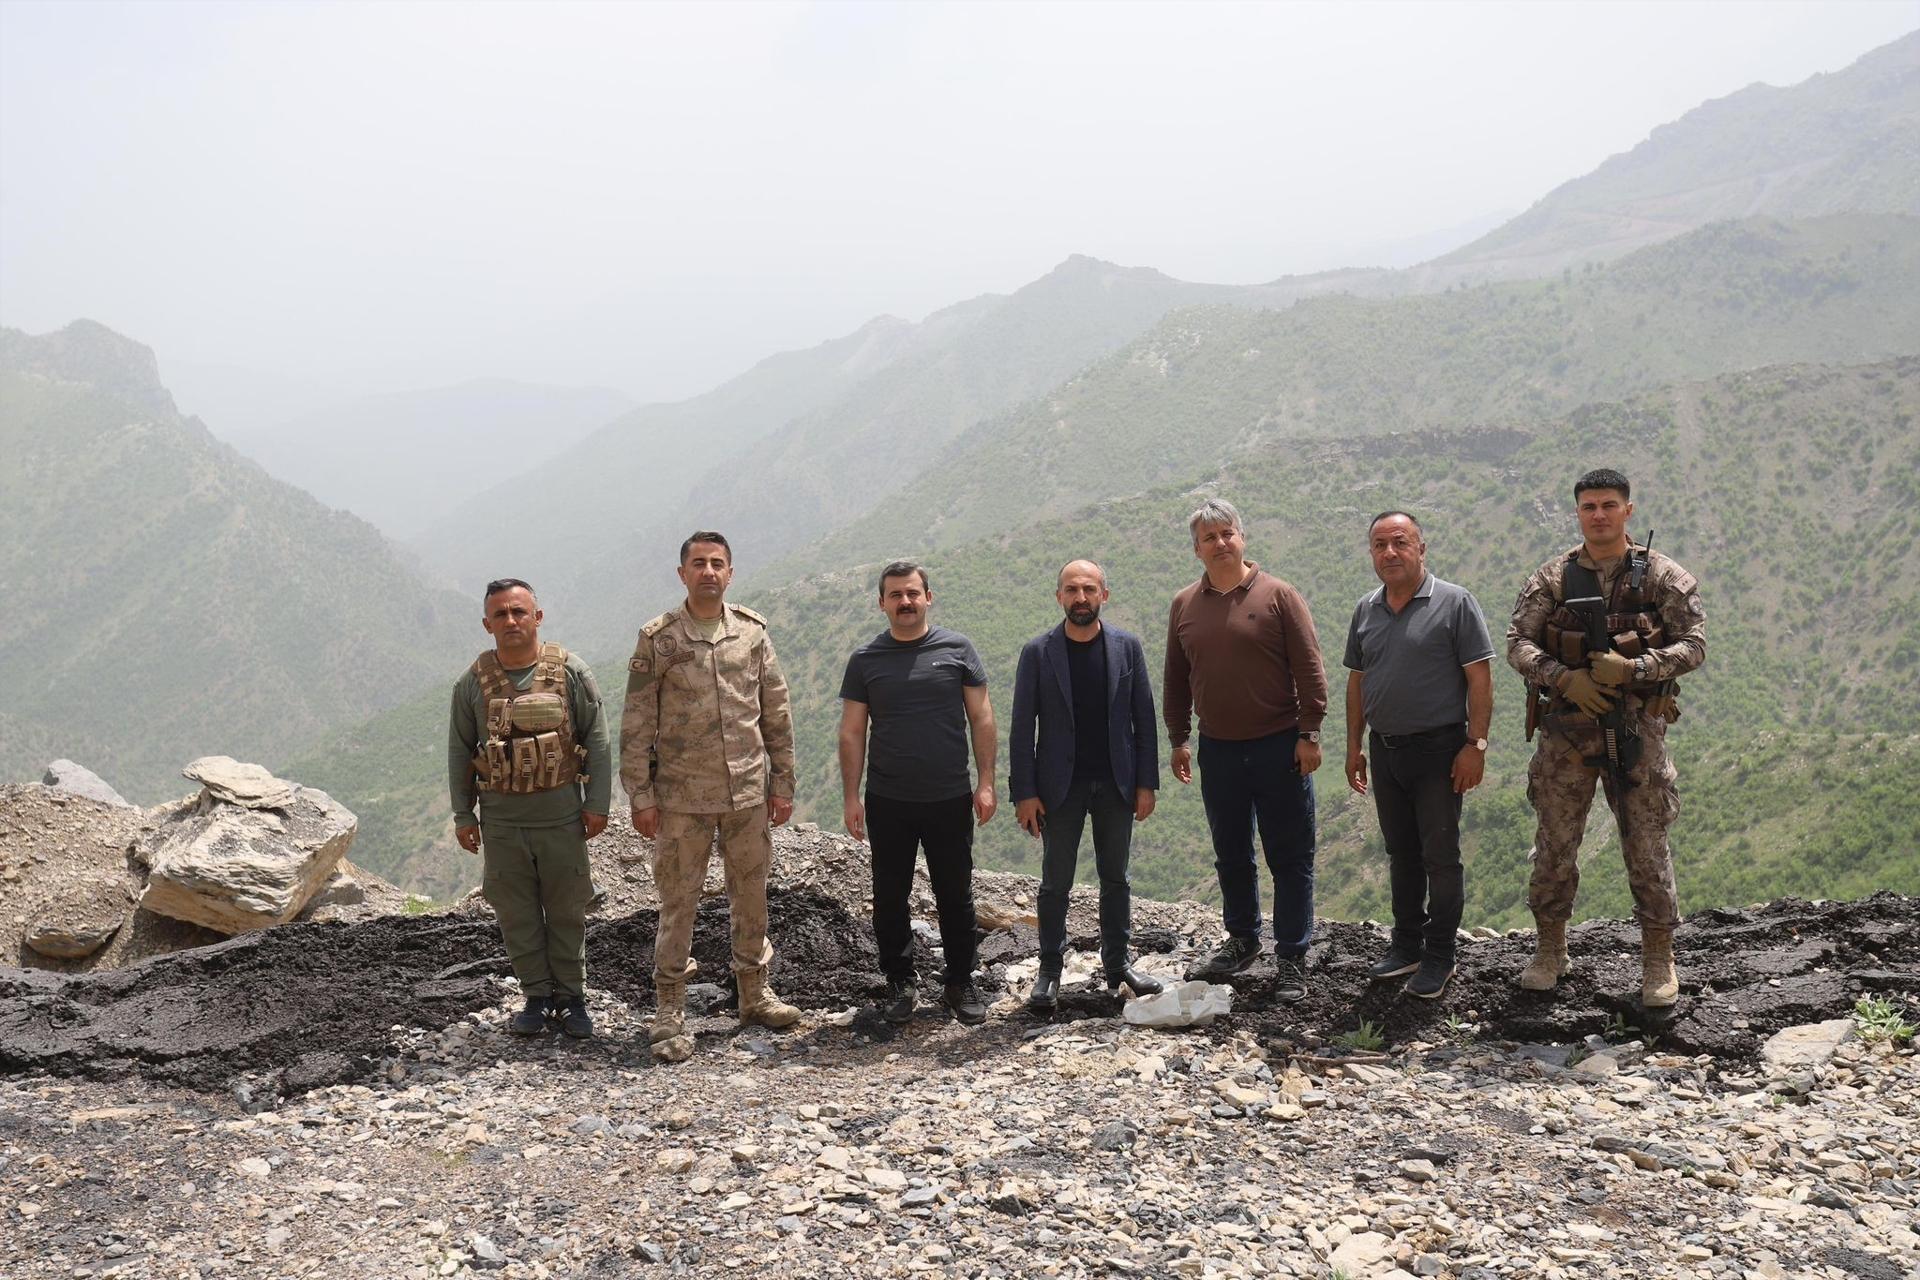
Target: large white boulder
{"points": [[249, 853]]}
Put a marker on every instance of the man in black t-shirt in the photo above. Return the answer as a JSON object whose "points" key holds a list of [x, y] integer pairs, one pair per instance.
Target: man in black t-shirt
{"points": [[917, 692]]}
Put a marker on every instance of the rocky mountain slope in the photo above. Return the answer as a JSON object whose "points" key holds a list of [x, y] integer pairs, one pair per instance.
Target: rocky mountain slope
{"points": [[342, 1098], [172, 599], [1845, 141], [1208, 383]]}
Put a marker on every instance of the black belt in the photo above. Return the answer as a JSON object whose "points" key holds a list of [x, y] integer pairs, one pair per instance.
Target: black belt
{"points": [[1424, 738]]}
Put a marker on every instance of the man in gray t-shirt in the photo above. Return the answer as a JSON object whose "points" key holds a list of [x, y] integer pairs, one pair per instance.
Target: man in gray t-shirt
{"points": [[909, 702], [1419, 676]]}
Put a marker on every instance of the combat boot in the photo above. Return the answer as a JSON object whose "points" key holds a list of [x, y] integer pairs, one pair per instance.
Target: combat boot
{"points": [[1659, 984], [759, 1005], [669, 1037], [1549, 963]]}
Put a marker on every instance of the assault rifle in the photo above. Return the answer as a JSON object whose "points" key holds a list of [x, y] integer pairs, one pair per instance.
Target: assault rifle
{"points": [[1617, 730]]}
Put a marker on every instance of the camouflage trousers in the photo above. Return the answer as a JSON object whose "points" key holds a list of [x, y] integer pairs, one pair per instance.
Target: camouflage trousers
{"points": [[538, 882], [680, 856], [1560, 786]]}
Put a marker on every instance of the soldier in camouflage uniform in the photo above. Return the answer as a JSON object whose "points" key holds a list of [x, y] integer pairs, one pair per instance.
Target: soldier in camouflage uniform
{"points": [[706, 746], [526, 739], [1657, 634]]}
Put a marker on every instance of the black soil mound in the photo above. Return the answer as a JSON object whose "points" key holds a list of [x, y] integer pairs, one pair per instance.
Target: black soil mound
{"points": [[1743, 976], [312, 1004]]}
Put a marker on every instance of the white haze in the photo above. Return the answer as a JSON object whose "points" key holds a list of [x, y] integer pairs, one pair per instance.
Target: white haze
{"points": [[652, 197]]}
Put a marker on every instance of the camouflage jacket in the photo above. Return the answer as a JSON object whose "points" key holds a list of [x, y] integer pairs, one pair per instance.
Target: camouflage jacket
{"points": [[1668, 588], [706, 727]]}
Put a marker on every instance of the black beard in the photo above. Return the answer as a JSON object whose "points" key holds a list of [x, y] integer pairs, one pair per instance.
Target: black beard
{"points": [[1081, 615]]}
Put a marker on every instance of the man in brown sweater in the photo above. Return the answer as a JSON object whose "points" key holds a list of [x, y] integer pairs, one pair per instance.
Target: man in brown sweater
{"points": [[1241, 650]]}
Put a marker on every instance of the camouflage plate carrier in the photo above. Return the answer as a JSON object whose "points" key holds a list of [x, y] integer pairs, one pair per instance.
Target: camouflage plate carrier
{"points": [[1634, 627], [530, 744]]}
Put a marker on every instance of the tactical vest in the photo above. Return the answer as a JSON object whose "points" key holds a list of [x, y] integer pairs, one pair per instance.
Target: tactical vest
{"points": [[1633, 627], [530, 743]]}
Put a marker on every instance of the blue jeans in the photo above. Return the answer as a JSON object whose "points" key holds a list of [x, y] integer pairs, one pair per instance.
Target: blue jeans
{"points": [[1256, 782], [1112, 815]]}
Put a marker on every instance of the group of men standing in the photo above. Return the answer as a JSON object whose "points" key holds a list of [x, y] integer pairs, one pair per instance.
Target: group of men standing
{"points": [[706, 757]]}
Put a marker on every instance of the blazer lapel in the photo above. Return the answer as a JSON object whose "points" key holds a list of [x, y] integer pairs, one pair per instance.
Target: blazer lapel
{"points": [[1057, 659], [1114, 655]]}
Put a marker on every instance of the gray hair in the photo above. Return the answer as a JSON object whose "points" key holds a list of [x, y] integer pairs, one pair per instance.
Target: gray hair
{"points": [[1214, 511], [1060, 578]]}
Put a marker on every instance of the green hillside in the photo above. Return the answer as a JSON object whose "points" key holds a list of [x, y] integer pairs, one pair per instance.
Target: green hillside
{"points": [[1209, 382], [168, 598], [1779, 488]]}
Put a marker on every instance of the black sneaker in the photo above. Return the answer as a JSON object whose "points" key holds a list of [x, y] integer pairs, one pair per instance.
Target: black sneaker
{"points": [[1229, 958], [1289, 980], [532, 1020], [572, 1013], [1395, 964], [966, 1003], [1431, 980], [898, 1007]]}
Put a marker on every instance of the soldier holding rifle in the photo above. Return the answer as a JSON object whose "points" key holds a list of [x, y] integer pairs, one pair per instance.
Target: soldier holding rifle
{"points": [[1601, 633]]}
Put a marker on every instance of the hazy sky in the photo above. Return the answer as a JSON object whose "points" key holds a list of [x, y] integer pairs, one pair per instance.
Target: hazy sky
{"points": [[652, 197]]}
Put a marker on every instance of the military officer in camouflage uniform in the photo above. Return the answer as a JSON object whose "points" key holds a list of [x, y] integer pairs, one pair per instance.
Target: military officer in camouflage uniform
{"points": [[527, 739], [706, 746], [1657, 632]]}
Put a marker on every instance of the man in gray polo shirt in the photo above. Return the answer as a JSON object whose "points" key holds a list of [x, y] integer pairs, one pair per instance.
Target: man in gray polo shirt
{"points": [[1420, 677]]}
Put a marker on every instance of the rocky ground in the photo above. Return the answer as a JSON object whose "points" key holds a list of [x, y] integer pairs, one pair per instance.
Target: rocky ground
{"points": [[340, 1100]]}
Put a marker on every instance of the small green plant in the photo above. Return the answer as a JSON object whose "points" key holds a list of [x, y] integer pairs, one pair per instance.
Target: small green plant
{"points": [[1461, 1028], [1367, 1037], [1619, 1031], [1576, 1055], [1878, 1018], [418, 905]]}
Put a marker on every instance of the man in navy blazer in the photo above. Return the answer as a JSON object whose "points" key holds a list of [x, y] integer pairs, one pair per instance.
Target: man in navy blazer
{"points": [[1082, 691]]}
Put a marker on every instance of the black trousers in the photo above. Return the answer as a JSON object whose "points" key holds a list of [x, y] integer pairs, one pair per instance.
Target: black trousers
{"points": [[1420, 821], [897, 830]]}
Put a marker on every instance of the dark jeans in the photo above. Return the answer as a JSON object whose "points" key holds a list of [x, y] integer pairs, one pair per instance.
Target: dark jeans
{"points": [[1112, 815], [1420, 820], [896, 829], [1256, 782]]}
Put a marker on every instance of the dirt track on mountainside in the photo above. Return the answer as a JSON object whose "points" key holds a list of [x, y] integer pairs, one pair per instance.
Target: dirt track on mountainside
{"points": [[306, 1005]]}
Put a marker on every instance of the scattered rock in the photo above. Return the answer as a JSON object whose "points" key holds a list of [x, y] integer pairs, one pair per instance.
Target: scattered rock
{"points": [[1808, 1045], [75, 930], [232, 782], [65, 775]]}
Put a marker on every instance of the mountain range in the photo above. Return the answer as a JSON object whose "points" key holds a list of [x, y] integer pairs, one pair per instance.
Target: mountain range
{"points": [[171, 599], [1731, 302]]}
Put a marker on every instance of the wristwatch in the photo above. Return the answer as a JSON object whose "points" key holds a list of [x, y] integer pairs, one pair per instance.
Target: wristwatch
{"points": [[1310, 735], [1478, 744]]}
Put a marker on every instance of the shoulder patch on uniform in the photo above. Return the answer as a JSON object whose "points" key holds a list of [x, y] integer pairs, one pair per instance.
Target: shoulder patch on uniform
{"points": [[747, 613], [654, 627]]}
